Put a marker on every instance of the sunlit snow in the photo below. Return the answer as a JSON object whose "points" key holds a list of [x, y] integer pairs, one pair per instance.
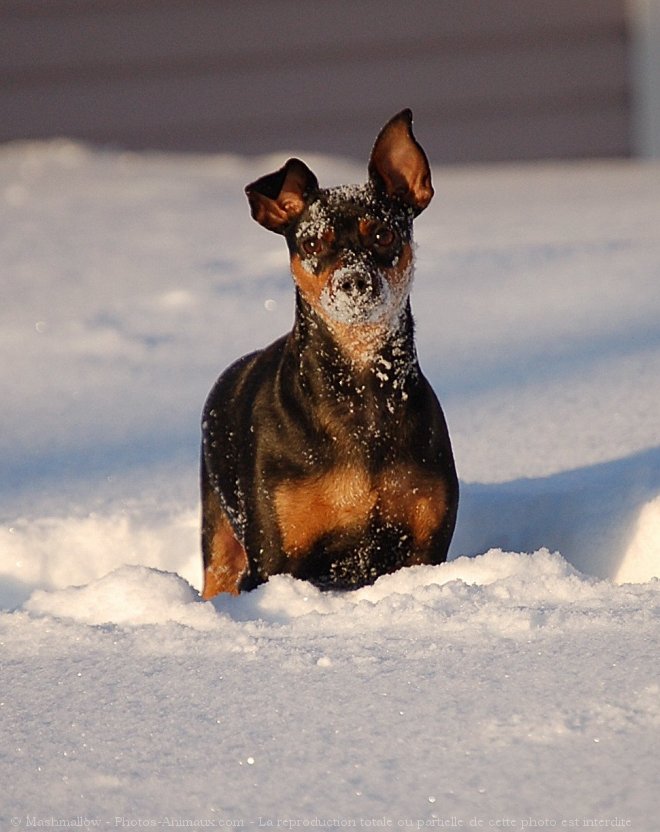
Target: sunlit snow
{"points": [[518, 682]]}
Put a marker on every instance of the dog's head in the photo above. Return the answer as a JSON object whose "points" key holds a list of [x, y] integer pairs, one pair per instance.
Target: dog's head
{"points": [[351, 246]]}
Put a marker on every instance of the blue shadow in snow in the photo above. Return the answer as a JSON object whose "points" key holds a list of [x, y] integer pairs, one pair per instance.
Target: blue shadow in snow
{"points": [[588, 514]]}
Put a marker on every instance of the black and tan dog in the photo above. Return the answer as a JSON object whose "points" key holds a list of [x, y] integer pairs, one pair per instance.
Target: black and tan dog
{"points": [[326, 455]]}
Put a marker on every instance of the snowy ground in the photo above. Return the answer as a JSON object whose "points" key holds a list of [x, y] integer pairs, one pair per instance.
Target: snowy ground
{"points": [[507, 690]]}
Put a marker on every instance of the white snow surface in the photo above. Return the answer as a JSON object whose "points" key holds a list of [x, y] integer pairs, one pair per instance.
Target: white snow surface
{"points": [[516, 686]]}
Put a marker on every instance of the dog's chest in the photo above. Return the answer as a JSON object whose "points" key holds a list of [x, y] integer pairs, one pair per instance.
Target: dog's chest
{"points": [[349, 499]]}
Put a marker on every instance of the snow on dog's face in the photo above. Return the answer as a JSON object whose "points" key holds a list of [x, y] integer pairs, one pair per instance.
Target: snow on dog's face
{"points": [[351, 256]]}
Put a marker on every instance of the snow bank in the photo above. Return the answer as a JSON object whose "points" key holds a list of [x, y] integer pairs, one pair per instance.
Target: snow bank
{"points": [[640, 560], [503, 686], [501, 592], [128, 595], [58, 551]]}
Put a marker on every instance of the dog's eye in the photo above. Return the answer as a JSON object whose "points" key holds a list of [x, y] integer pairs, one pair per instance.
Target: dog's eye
{"points": [[384, 237], [314, 246]]}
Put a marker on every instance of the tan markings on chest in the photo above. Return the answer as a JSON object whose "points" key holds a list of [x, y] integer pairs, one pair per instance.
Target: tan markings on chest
{"points": [[410, 496], [348, 499], [308, 508]]}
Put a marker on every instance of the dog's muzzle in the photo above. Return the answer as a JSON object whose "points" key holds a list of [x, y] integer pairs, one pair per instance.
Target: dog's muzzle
{"points": [[355, 295]]}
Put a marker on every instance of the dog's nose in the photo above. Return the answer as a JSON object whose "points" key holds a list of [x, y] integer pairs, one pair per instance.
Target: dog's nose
{"points": [[354, 284], [354, 280]]}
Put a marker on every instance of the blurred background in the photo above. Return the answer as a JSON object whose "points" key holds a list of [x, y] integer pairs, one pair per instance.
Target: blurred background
{"points": [[488, 80]]}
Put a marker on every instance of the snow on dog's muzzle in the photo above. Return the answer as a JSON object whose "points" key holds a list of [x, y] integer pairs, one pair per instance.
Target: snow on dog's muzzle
{"points": [[354, 294]]}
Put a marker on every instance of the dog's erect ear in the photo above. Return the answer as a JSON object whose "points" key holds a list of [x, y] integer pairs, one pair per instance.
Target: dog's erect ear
{"points": [[279, 198], [398, 164]]}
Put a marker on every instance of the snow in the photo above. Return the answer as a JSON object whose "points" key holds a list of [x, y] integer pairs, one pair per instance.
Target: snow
{"points": [[515, 686]]}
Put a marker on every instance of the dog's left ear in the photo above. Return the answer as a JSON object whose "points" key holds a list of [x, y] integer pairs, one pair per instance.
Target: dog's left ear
{"points": [[398, 164], [279, 198]]}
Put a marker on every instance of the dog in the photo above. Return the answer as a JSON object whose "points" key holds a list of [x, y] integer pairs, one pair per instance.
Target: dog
{"points": [[326, 455]]}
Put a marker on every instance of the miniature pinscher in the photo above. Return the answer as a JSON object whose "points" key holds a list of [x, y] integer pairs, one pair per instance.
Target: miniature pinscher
{"points": [[326, 455]]}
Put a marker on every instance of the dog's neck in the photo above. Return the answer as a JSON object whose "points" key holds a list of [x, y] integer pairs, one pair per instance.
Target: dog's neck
{"points": [[357, 357]]}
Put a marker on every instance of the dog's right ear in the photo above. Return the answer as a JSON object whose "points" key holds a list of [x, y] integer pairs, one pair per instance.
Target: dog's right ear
{"points": [[279, 198]]}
